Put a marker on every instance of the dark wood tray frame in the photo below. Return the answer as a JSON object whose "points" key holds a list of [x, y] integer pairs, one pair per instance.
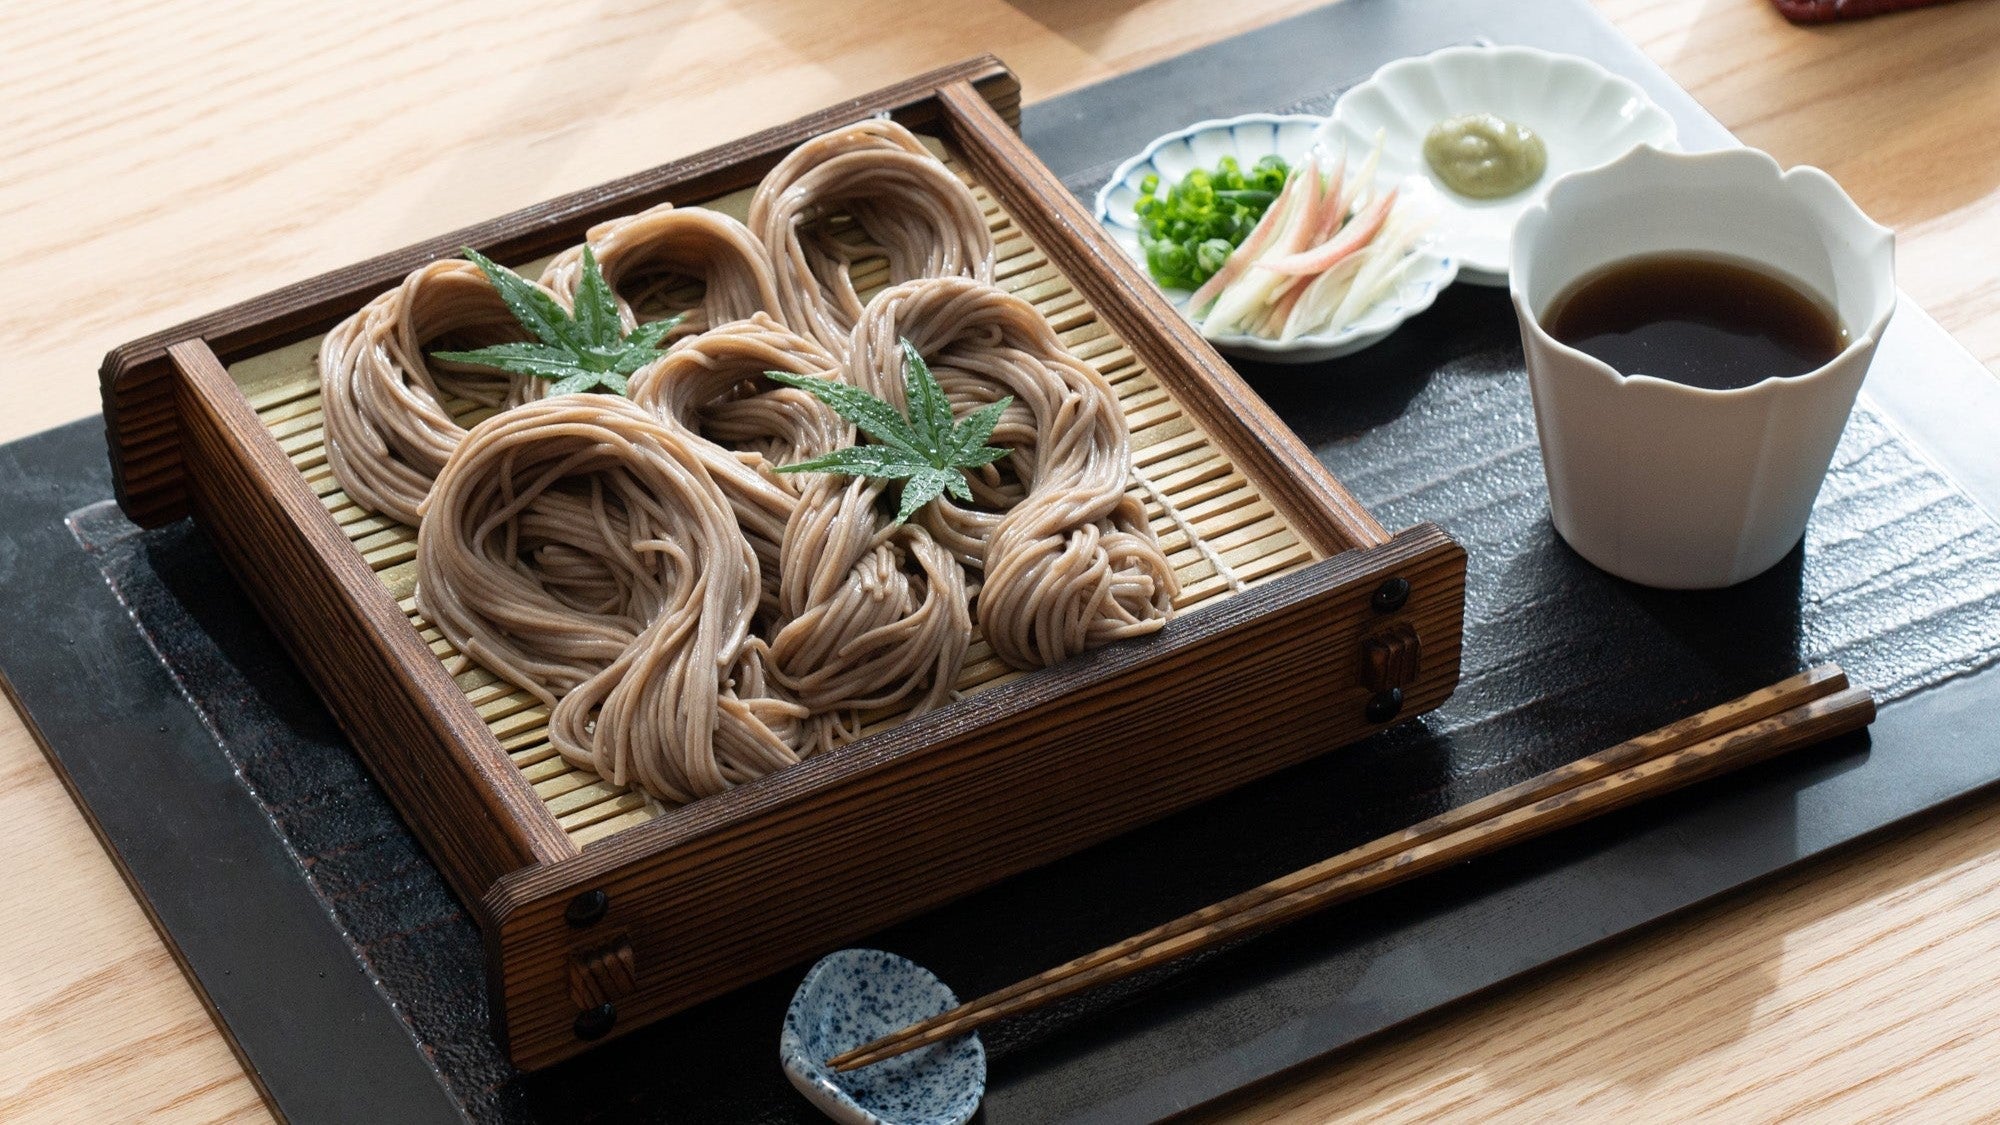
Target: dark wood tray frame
{"points": [[585, 943]]}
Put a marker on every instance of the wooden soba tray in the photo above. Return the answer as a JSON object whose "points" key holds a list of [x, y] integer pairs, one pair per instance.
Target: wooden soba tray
{"points": [[1304, 624]]}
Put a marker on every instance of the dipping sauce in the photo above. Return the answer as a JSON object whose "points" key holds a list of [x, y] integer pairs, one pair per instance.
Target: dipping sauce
{"points": [[1703, 320], [1485, 156]]}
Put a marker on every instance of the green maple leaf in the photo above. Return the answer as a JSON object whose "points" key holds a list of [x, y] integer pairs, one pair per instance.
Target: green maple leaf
{"points": [[587, 350], [927, 451]]}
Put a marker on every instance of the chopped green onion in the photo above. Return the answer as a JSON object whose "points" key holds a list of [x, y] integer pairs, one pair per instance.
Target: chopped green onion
{"points": [[1188, 233]]}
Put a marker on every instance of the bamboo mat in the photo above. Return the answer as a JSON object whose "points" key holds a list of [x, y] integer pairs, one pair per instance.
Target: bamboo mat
{"points": [[1219, 533]]}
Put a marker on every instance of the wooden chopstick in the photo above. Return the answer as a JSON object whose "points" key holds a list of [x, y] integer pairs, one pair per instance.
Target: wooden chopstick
{"points": [[1812, 684], [1806, 708]]}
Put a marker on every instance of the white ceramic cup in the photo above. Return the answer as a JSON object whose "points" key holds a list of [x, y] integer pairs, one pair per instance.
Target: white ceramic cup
{"points": [[1666, 484]]}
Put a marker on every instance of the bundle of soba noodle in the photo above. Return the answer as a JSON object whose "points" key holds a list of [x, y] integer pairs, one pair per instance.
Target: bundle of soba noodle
{"points": [[907, 207], [863, 614], [579, 548], [653, 258], [692, 617], [389, 406], [1072, 562]]}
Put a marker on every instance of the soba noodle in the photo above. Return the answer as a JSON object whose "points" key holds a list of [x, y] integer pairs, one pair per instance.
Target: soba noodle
{"points": [[873, 615], [389, 406], [693, 618], [651, 258], [909, 208], [1073, 563], [866, 615], [743, 425], [577, 548]]}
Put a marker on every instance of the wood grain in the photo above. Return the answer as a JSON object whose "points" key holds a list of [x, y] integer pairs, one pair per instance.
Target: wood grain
{"points": [[96, 1021], [143, 136], [725, 890], [1861, 989], [477, 816]]}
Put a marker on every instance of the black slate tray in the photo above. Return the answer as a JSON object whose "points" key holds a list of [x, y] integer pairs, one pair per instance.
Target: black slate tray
{"points": [[350, 980]]}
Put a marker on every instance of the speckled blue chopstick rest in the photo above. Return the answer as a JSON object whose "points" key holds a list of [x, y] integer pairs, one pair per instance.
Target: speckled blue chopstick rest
{"points": [[856, 996]]}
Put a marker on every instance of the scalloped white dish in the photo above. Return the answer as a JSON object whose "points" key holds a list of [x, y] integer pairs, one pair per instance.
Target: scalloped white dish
{"points": [[1585, 115], [1249, 139]]}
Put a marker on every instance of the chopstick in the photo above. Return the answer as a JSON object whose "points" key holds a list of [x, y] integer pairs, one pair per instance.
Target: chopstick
{"points": [[1812, 706]]}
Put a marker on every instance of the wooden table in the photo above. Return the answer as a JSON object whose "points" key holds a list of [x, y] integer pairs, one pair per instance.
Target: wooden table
{"points": [[162, 159]]}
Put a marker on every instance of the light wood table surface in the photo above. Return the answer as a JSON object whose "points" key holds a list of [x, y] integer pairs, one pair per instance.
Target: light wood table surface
{"points": [[159, 159]]}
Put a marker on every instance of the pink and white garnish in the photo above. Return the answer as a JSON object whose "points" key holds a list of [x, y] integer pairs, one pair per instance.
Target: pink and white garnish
{"points": [[1330, 246]]}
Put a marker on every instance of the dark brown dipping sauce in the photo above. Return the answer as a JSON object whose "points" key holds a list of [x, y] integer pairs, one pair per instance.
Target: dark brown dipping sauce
{"points": [[1709, 322]]}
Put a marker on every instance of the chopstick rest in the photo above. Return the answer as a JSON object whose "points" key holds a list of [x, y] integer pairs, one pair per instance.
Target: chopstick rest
{"points": [[1810, 707]]}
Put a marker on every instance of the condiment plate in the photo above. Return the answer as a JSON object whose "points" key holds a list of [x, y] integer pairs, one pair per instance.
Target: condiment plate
{"points": [[855, 996], [1249, 139], [1585, 115]]}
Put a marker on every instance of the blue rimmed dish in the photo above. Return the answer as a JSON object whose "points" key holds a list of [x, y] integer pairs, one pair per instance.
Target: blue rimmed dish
{"points": [[1249, 139]]}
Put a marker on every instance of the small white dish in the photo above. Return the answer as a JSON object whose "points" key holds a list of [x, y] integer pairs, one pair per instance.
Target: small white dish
{"points": [[856, 996], [1249, 139], [1585, 115]]}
